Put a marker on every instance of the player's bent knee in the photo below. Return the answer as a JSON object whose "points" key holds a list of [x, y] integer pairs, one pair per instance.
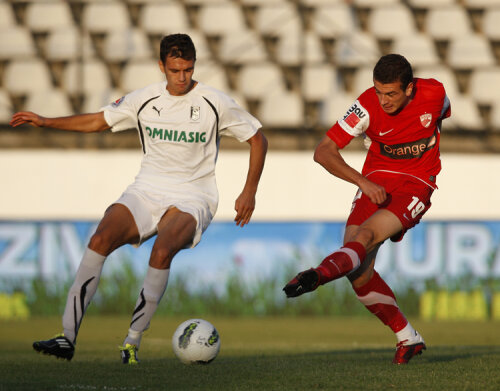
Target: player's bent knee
{"points": [[161, 258], [101, 244], [365, 236]]}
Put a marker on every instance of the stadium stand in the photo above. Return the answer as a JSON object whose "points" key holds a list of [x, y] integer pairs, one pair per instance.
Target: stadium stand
{"points": [[296, 64], [68, 44], [419, 49], [45, 17]]}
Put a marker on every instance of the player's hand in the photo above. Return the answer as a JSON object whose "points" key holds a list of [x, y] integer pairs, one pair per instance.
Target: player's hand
{"points": [[27, 117], [244, 207], [374, 192]]}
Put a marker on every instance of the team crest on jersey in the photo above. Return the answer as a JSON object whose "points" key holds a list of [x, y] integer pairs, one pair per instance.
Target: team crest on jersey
{"points": [[117, 102], [426, 119], [195, 113]]}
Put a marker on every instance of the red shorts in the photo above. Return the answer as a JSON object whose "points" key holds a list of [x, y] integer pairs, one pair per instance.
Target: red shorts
{"points": [[407, 197]]}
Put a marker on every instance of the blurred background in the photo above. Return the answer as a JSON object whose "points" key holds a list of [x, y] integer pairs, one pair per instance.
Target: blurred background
{"points": [[297, 65]]}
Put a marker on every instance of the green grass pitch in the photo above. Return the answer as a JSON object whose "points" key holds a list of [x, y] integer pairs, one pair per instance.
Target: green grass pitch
{"points": [[256, 354]]}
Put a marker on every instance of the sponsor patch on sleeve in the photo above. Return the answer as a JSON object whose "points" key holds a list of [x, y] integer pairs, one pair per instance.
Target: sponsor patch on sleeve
{"points": [[117, 102], [351, 120]]}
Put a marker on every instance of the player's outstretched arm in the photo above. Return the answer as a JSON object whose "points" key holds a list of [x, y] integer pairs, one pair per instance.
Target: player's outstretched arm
{"points": [[327, 154], [245, 203], [93, 122]]}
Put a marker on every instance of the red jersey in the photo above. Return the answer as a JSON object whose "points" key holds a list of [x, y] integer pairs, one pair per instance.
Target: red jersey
{"points": [[404, 143]]}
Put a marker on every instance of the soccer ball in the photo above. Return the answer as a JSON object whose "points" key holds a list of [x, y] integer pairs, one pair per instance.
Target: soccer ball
{"points": [[196, 341]]}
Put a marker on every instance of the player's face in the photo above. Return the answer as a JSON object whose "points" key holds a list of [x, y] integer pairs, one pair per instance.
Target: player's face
{"points": [[179, 74], [391, 96]]}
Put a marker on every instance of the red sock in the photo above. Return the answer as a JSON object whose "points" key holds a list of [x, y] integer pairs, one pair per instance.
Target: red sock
{"points": [[341, 262], [380, 301]]}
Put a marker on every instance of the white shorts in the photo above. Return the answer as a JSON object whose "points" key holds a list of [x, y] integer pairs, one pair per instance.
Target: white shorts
{"points": [[148, 208]]}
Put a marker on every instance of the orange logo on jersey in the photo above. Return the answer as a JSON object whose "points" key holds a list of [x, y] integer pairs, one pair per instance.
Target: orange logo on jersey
{"points": [[425, 120], [411, 150]]}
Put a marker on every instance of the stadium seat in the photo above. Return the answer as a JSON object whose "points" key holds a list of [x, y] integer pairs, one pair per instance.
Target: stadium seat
{"points": [[485, 85], [491, 23], [319, 3], [333, 20], [373, 3], [101, 18], [138, 74], [289, 49], [466, 115], [311, 49], [278, 20], [89, 76], [282, 109], [495, 117], [387, 22], [261, 2], [203, 2], [426, 4], [418, 48], [240, 48], [334, 107], [130, 44], [25, 76], [318, 82], [7, 18], [356, 49], [256, 80], [203, 52], [470, 51], [210, 73], [363, 79], [68, 44], [444, 23], [216, 19], [480, 4], [6, 108], [42, 17], [163, 18], [49, 103], [16, 42]]}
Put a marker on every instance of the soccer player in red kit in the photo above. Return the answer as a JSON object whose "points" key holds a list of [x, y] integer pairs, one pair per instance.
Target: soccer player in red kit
{"points": [[400, 119]]}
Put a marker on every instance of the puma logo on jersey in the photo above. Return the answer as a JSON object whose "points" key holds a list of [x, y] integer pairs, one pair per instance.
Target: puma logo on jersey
{"points": [[157, 110]]}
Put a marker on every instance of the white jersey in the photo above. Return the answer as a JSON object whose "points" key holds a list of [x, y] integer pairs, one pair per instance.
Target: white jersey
{"points": [[180, 136]]}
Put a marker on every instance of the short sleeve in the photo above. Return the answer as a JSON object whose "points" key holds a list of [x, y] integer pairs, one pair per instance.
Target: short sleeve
{"points": [[446, 110], [234, 121], [121, 114], [339, 135], [354, 123]]}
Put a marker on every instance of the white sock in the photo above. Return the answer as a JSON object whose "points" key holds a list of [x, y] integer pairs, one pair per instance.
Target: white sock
{"points": [[151, 293], [407, 333], [81, 292]]}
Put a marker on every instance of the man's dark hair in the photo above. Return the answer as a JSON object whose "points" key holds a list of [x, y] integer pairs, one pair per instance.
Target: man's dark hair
{"points": [[177, 45], [391, 68]]}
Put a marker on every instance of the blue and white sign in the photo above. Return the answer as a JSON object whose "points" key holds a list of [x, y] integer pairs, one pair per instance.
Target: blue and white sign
{"points": [[439, 251]]}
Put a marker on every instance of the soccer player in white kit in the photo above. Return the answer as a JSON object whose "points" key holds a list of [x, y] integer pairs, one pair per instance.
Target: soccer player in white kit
{"points": [[174, 196]]}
